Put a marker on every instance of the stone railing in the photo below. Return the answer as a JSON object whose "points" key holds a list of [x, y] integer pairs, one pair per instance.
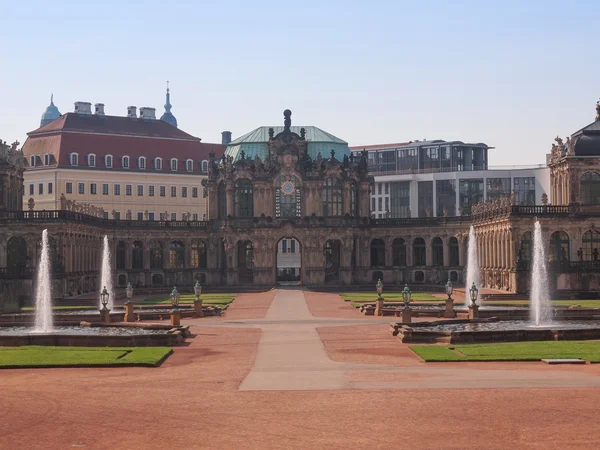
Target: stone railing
{"points": [[495, 212]]}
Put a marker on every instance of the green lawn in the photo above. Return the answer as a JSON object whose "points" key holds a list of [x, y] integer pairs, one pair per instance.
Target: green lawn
{"points": [[517, 351], [41, 356], [216, 299]]}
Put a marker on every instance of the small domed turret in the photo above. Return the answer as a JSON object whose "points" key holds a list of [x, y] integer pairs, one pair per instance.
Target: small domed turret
{"points": [[168, 116], [51, 113]]}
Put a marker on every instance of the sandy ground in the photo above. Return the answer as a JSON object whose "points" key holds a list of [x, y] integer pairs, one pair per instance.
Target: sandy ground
{"points": [[193, 401]]}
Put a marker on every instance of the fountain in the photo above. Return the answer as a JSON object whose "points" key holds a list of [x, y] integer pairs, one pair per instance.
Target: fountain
{"points": [[106, 276], [43, 295], [472, 265], [540, 306]]}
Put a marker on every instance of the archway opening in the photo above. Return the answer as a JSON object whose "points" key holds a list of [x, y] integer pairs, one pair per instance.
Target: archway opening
{"points": [[289, 261]]}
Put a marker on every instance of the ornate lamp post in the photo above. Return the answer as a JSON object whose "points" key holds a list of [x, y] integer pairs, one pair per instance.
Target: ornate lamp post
{"points": [[128, 304], [406, 299], [449, 311], [175, 313], [473, 307], [379, 301], [104, 312], [198, 301]]}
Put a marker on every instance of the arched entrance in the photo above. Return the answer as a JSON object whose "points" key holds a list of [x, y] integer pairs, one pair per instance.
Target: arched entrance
{"points": [[289, 262]]}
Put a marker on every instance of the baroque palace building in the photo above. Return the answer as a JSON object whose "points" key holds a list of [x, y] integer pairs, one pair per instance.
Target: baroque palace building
{"points": [[302, 184]]}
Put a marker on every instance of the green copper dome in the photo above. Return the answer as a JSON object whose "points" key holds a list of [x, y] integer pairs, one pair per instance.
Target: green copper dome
{"points": [[51, 113]]}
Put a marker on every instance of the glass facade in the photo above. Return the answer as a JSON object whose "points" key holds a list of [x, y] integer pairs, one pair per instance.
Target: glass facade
{"points": [[497, 188], [590, 188], [425, 192], [470, 193], [445, 192]]}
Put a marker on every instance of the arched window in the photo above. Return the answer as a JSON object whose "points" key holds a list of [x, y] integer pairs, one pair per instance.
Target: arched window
{"points": [[332, 197], [288, 197], [16, 255], [199, 254], [142, 162], [189, 165], [91, 160], [158, 163], [590, 188], [137, 256], [377, 253], [156, 255], [437, 252], [525, 247], [243, 198], [47, 158], [176, 255], [74, 159], [419, 252], [453, 252], [591, 245], [205, 166], [125, 162], [121, 248], [32, 161], [222, 193], [399, 252], [108, 159], [559, 246], [354, 199], [173, 163]]}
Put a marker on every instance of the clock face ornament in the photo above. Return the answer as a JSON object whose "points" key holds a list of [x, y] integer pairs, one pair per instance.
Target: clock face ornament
{"points": [[287, 188]]}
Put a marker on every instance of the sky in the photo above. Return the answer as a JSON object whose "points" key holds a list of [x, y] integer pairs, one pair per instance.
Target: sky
{"points": [[512, 74]]}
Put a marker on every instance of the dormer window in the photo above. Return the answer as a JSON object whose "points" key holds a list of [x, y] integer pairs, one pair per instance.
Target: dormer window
{"points": [[205, 166], [142, 162], [189, 164], [74, 159], [158, 163], [173, 163], [32, 161], [108, 161], [92, 160], [125, 162], [47, 158]]}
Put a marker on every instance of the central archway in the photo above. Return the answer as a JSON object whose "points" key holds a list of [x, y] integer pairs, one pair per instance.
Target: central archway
{"points": [[289, 262]]}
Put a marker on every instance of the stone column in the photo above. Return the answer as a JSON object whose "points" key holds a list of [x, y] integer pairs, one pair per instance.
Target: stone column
{"points": [[446, 255], [229, 196]]}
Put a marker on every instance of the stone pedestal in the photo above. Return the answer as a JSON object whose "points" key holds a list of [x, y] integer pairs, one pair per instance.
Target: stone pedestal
{"points": [[129, 312], [407, 315], [105, 315], [449, 311], [175, 318], [198, 308], [474, 312], [379, 306]]}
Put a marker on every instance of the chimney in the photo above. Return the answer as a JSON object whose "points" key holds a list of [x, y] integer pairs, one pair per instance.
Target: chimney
{"points": [[147, 113], [225, 137], [132, 112], [99, 109], [83, 108]]}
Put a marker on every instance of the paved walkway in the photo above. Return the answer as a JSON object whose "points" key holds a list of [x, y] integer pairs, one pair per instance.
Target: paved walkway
{"points": [[291, 356]]}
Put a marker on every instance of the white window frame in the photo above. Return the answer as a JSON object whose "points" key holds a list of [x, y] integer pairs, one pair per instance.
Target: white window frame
{"points": [[205, 166], [32, 161], [112, 160], [90, 158], [176, 165], [189, 165], [47, 159], [158, 163], [123, 159], [76, 155], [142, 162]]}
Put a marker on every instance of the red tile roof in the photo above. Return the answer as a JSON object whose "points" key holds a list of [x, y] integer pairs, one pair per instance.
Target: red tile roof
{"points": [[378, 146], [118, 136]]}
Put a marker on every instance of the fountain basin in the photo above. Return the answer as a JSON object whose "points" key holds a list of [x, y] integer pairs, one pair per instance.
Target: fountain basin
{"points": [[494, 330], [96, 335]]}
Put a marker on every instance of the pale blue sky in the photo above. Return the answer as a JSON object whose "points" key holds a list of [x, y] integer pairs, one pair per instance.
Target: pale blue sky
{"points": [[513, 74]]}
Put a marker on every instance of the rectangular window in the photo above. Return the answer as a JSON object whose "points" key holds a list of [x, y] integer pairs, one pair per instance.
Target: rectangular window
{"points": [[195, 216], [379, 189], [105, 189], [373, 204], [151, 191], [49, 188], [387, 188], [173, 164], [127, 189], [380, 204], [81, 188], [93, 188], [142, 163], [470, 193], [32, 189], [184, 191], [150, 216], [117, 215], [140, 190], [173, 216], [445, 192], [140, 216], [163, 191], [387, 203], [105, 214], [117, 189], [400, 199], [195, 192], [173, 191], [293, 246], [425, 196], [41, 189], [69, 188], [497, 188], [524, 190], [284, 246]]}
